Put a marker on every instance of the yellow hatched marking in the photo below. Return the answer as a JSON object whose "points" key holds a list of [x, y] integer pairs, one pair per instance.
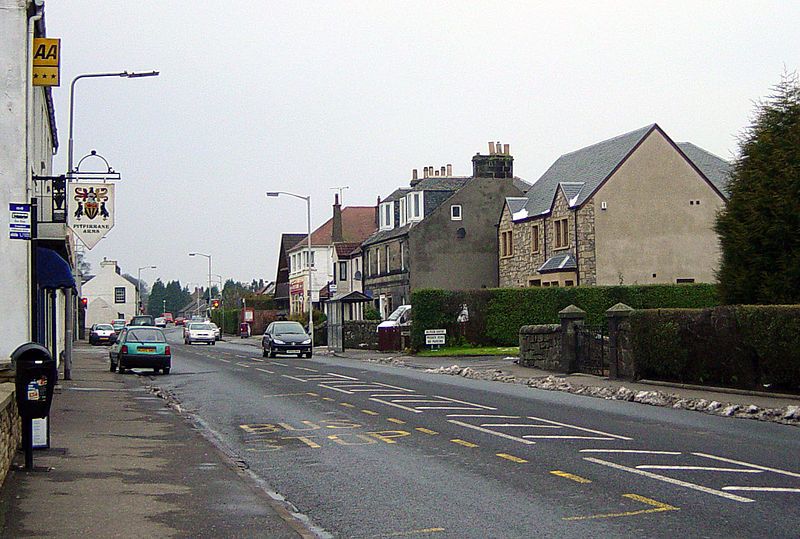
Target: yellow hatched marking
{"points": [[426, 431], [464, 443], [370, 412], [347, 404], [658, 507], [512, 458], [398, 421], [573, 477]]}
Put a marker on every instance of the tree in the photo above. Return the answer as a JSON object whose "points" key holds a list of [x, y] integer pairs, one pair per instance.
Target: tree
{"points": [[759, 229], [155, 302]]}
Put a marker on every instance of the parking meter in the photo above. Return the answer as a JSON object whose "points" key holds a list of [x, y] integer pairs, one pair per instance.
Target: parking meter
{"points": [[36, 376]]}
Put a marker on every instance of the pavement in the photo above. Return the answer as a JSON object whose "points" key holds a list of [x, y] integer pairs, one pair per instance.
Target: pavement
{"points": [[122, 463], [505, 369]]}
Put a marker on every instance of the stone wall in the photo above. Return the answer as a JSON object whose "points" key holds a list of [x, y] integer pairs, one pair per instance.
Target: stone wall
{"points": [[361, 334], [9, 428], [540, 347], [587, 259]]}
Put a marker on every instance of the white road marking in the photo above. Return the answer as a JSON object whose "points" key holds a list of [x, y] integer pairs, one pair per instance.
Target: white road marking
{"points": [[696, 468], [370, 389], [243, 365], [395, 405], [306, 369], [293, 378], [336, 389], [763, 489], [382, 396], [485, 415], [417, 400], [265, 370], [670, 480], [493, 433], [257, 359], [225, 360], [568, 437], [731, 461], [243, 357], [640, 451], [529, 425], [580, 428], [465, 402], [444, 407], [395, 387], [281, 364]]}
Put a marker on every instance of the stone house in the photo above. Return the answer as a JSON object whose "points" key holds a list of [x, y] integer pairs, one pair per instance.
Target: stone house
{"points": [[109, 295], [634, 209], [440, 232], [281, 296]]}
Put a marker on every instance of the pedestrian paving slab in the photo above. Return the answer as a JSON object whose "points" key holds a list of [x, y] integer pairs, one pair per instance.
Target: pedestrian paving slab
{"points": [[124, 464]]}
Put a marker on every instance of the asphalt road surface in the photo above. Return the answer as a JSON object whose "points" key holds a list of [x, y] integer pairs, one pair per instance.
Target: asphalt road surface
{"points": [[367, 450]]}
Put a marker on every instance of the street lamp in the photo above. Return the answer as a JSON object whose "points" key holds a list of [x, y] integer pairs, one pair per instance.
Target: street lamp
{"points": [[139, 289], [208, 306], [70, 316], [308, 216]]}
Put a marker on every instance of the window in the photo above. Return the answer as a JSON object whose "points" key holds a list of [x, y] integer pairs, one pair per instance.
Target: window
{"points": [[684, 281], [535, 282], [387, 215], [386, 253], [378, 261], [535, 239], [402, 256], [569, 283], [562, 233], [455, 212], [119, 294], [414, 206], [342, 271], [506, 244], [403, 217]]}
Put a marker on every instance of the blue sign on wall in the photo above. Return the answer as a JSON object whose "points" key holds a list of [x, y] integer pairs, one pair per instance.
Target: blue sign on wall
{"points": [[19, 222]]}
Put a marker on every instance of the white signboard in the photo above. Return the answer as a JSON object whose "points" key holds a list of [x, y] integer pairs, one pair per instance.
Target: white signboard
{"points": [[91, 210], [19, 221], [435, 340], [435, 332]]}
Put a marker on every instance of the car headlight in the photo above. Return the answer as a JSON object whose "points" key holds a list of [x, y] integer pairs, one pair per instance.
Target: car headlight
{"points": [[307, 341], [278, 341]]}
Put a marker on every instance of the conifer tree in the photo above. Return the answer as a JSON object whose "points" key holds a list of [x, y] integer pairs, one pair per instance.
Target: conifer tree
{"points": [[759, 229]]}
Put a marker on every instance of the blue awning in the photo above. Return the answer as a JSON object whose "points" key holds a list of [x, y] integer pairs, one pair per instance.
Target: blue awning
{"points": [[52, 271]]}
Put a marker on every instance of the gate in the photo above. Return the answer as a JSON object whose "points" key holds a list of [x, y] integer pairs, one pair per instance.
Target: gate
{"points": [[592, 349]]}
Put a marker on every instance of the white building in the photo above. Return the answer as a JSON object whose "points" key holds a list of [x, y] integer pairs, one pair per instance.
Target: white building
{"points": [[109, 295], [27, 144]]}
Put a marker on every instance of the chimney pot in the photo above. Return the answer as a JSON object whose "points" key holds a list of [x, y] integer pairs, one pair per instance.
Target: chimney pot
{"points": [[425, 172], [507, 149], [442, 170], [449, 169], [414, 174], [491, 148], [435, 172], [336, 199]]}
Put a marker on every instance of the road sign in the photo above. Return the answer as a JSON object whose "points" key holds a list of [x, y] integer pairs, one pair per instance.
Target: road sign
{"points": [[92, 214], [435, 332], [435, 340], [46, 61], [19, 222]]}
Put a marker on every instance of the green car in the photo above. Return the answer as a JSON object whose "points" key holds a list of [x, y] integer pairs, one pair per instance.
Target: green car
{"points": [[141, 347]]}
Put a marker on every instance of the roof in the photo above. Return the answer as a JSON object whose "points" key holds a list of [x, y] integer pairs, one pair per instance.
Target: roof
{"points": [[358, 222], [396, 195], [562, 262], [580, 173], [383, 235], [345, 248], [442, 183], [350, 297]]}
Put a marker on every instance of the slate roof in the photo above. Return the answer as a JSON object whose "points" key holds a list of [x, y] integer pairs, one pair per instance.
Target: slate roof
{"points": [[383, 235], [562, 262], [442, 183], [358, 222], [398, 194], [590, 166]]}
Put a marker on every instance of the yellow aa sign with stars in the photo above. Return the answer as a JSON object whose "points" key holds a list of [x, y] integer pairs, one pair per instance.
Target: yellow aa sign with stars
{"points": [[46, 61]]}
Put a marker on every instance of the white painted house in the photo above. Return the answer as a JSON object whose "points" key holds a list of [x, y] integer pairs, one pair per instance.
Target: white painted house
{"points": [[109, 295]]}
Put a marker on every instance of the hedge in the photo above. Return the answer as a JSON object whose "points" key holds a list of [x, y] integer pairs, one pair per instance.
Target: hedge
{"points": [[742, 346], [231, 319], [495, 315]]}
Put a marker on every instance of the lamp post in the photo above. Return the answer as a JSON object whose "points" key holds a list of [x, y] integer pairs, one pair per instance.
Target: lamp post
{"points": [[139, 288], [208, 306], [308, 216], [70, 314]]}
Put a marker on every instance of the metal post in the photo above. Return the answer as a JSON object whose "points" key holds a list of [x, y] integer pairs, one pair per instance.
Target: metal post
{"points": [[310, 299]]}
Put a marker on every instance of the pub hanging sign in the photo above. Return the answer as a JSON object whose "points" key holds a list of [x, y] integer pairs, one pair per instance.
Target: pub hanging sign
{"points": [[91, 211]]}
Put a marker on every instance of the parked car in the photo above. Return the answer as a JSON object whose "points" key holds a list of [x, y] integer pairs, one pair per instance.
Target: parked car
{"points": [[141, 347], [142, 320], [102, 334], [168, 318], [179, 321], [161, 322], [199, 332], [118, 324], [286, 337], [217, 331], [399, 317]]}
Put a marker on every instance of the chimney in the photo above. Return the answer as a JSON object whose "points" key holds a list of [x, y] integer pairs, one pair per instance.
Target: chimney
{"points": [[498, 164], [414, 175], [378, 213], [336, 229], [436, 173], [449, 170], [425, 172], [443, 171]]}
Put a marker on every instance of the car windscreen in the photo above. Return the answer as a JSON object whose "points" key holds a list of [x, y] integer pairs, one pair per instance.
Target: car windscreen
{"points": [[145, 335], [289, 328], [105, 327], [397, 313], [201, 326]]}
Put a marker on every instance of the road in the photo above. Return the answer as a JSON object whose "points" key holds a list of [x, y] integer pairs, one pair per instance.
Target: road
{"points": [[368, 450]]}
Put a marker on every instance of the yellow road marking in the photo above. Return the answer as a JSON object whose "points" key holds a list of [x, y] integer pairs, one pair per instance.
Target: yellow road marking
{"points": [[426, 431], [658, 507], [370, 412], [327, 399], [286, 395], [347, 404], [387, 435], [413, 532], [311, 393], [464, 443], [573, 477], [398, 421], [512, 458]]}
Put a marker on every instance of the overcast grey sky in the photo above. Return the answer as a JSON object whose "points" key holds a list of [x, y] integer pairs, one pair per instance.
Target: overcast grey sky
{"points": [[301, 96]]}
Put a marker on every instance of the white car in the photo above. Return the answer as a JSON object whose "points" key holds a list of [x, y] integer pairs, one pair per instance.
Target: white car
{"points": [[217, 331], [161, 322], [199, 332]]}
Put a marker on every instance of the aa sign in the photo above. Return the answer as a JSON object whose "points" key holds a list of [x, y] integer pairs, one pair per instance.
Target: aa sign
{"points": [[91, 211]]}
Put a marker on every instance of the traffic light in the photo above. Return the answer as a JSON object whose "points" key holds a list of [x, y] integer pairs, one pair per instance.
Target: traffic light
{"points": [[84, 302], [215, 304]]}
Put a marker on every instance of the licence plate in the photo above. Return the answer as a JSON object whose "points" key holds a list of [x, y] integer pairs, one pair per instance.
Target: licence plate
{"points": [[293, 351], [147, 349]]}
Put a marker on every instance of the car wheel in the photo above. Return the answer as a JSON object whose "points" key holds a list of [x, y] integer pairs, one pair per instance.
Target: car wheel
{"points": [[308, 355], [113, 367], [272, 352], [166, 370], [213, 343], [263, 352], [120, 368]]}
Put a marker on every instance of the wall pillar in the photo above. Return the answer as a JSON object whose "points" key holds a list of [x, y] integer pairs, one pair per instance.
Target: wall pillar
{"points": [[618, 330], [571, 317]]}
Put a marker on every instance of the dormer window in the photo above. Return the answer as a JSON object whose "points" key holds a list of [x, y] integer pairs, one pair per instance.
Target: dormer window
{"points": [[403, 216], [414, 206], [387, 215]]}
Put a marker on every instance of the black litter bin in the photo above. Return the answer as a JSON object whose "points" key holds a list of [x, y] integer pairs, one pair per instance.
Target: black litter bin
{"points": [[35, 379]]}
